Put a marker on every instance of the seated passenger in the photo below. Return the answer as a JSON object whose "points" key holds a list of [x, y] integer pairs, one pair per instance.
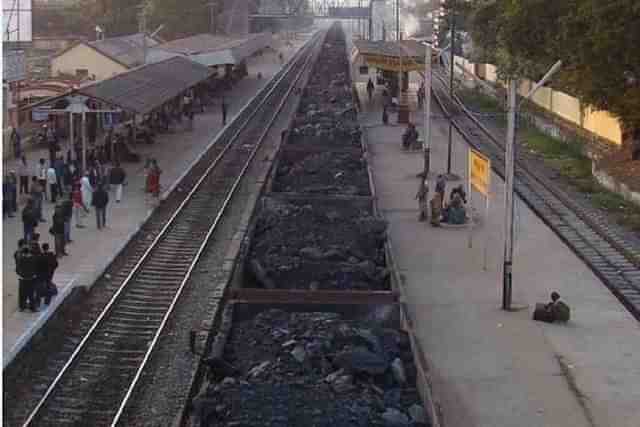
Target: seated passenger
{"points": [[410, 136], [459, 190], [436, 209], [555, 311], [455, 213]]}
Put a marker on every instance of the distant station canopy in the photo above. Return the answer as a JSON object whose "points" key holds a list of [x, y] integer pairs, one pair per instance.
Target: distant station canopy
{"points": [[407, 55]]}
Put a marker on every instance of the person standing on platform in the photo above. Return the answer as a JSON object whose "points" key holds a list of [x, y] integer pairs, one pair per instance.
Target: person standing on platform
{"points": [[436, 209], [57, 229], [224, 111], [100, 201], [8, 196], [67, 176], [29, 219], [23, 175], [26, 270], [78, 207], [42, 177], [421, 196], [37, 195], [154, 179], [48, 265], [52, 181], [59, 167], [67, 213], [370, 88], [117, 178], [16, 143], [385, 115], [87, 192], [441, 184]]}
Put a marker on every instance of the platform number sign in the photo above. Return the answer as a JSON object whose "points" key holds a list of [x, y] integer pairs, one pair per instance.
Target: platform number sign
{"points": [[479, 171]]}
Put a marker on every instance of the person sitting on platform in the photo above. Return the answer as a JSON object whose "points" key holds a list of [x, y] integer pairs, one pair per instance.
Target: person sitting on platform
{"points": [[455, 212], [554, 311], [436, 209], [459, 190], [410, 136]]}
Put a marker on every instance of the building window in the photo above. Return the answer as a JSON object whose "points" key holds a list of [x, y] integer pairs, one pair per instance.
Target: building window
{"points": [[82, 73]]}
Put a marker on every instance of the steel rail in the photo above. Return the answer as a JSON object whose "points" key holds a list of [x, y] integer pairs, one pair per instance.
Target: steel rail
{"points": [[163, 231], [625, 289], [633, 258], [207, 238]]}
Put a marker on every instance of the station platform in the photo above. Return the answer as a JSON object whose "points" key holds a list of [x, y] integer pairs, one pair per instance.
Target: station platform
{"points": [[490, 367], [93, 250]]}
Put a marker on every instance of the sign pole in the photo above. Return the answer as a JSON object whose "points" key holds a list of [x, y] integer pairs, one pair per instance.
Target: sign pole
{"points": [[508, 223], [486, 241], [470, 212]]}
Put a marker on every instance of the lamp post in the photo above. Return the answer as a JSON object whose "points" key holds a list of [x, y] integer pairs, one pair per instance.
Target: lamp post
{"points": [[509, 177], [428, 69], [452, 12]]}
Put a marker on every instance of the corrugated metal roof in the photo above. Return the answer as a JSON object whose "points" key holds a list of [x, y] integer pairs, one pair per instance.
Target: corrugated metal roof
{"points": [[213, 50], [127, 49], [200, 43], [148, 87], [384, 48]]}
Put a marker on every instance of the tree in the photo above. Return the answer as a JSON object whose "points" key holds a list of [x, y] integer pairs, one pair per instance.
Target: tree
{"points": [[595, 39], [118, 17], [459, 10]]}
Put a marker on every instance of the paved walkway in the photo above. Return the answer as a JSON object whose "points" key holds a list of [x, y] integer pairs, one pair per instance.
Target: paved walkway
{"points": [[493, 368], [92, 250]]}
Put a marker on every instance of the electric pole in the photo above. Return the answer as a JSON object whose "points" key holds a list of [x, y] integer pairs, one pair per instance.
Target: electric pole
{"points": [[452, 12], [398, 20], [427, 108], [508, 224], [212, 17], [142, 27]]}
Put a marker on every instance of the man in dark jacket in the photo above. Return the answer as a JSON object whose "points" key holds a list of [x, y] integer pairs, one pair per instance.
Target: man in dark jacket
{"points": [[117, 178], [26, 270], [29, 219], [47, 265], [57, 229], [100, 201], [67, 213]]}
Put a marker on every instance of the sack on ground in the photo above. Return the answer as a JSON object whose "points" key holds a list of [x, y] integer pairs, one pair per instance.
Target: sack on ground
{"points": [[541, 313]]}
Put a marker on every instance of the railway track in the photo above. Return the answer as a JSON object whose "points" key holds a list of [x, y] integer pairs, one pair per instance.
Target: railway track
{"points": [[100, 375], [615, 260]]}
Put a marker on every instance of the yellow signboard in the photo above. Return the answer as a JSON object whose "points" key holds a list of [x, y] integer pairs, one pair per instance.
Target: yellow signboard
{"points": [[479, 171]]}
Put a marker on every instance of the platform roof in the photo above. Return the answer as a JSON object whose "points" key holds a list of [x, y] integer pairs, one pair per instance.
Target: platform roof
{"points": [[148, 87], [142, 89], [210, 50], [389, 55]]}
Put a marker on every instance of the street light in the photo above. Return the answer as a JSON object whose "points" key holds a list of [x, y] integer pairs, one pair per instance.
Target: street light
{"points": [[428, 69], [509, 173]]}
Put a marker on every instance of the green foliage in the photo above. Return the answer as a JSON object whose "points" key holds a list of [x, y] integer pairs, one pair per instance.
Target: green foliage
{"points": [[461, 11], [480, 102], [596, 39]]}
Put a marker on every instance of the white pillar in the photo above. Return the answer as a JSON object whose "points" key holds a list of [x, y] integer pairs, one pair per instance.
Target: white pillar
{"points": [[427, 111], [84, 142], [71, 134]]}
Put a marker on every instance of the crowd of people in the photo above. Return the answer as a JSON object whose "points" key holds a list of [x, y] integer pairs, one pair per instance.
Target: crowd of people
{"points": [[72, 194]]}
